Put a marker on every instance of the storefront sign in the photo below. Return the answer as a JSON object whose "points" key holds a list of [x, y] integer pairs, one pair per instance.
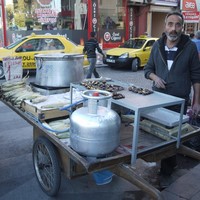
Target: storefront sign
{"points": [[191, 17], [94, 15], [190, 10], [112, 36], [44, 3], [164, 2], [131, 22], [46, 15], [190, 5]]}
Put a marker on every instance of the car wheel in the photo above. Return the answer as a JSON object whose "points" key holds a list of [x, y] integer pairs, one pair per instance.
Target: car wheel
{"points": [[135, 64], [1, 71]]}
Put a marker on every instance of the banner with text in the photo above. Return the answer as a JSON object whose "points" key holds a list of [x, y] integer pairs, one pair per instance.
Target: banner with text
{"points": [[12, 67]]}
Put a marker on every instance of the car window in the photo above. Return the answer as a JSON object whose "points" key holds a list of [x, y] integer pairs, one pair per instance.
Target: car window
{"points": [[15, 43], [150, 43], [128, 44], [136, 43], [139, 43], [50, 44], [30, 45], [58, 44]]}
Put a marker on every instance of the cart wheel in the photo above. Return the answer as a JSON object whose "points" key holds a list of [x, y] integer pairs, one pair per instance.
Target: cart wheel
{"points": [[46, 166], [2, 75]]}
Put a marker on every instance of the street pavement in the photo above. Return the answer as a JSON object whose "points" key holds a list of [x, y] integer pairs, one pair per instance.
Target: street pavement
{"points": [[18, 181]]}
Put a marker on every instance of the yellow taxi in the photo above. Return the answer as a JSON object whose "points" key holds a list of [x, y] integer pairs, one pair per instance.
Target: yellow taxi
{"points": [[132, 53], [28, 46]]}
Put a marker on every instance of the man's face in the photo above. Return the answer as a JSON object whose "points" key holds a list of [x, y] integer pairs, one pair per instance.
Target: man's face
{"points": [[173, 27]]}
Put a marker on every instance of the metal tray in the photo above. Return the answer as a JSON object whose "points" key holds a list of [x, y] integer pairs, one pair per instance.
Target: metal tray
{"points": [[164, 116]]}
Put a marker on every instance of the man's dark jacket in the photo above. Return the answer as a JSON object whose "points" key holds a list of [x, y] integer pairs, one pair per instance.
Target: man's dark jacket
{"points": [[185, 69], [90, 48]]}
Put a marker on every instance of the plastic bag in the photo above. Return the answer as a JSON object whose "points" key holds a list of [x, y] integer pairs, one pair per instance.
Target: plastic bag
{"points": [[194, 143]]}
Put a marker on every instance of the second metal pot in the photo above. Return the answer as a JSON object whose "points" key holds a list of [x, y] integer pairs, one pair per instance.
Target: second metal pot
{"points": [[59, 70]]}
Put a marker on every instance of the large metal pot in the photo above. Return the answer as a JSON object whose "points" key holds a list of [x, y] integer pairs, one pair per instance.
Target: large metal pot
{"points": [[59, 70], [94, 130]]}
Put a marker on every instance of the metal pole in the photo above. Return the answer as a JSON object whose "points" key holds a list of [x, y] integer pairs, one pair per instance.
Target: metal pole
{"points": [[4, 23]]}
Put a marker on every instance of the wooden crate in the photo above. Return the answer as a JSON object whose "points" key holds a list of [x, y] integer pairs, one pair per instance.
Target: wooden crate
{"points": [[43, 114]]}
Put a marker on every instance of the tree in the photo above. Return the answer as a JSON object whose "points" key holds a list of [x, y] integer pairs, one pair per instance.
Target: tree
{"points": [[10, 14]]}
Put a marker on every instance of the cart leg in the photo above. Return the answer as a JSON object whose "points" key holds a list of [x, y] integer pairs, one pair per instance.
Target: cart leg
{"points": [[126, 172]]}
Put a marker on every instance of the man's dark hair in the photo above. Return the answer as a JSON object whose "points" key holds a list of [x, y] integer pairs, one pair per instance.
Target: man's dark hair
{"points": [[192, 35], [92, 34], [197, 35], [175, 13]]}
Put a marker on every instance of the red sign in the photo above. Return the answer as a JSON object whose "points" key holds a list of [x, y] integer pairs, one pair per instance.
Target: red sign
{"points": [[94, 15], [46, 15], [189, 5], [44, 2], [191, 17]]}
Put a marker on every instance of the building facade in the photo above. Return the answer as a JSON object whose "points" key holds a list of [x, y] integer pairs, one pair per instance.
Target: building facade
{"points": [[114, 21], [191, 13]]}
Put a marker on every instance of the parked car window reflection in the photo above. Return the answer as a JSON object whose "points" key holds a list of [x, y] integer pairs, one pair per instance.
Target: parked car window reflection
{"points": [[14, 44], [58, 44], [135, 44], [30, 45], [150, 43], [51, 44]]}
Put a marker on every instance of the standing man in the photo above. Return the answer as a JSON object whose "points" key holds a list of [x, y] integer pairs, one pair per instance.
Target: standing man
{"points": [[90, 49], [196, 40], [174, 67]]}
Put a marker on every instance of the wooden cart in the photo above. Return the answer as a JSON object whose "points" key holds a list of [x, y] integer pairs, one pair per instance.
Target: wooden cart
{"points": [[53, 157]]}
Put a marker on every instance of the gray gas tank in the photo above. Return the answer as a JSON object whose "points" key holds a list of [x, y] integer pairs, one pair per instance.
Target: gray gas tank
{"points": [[95, 129]]}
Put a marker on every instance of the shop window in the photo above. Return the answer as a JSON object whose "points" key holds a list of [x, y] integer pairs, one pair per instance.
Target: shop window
{"points": [[112, 14], [46, 15]]}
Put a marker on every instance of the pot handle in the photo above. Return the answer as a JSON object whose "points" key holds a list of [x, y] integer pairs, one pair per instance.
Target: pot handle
{"points": [[94, 96], [67, 56], [39, 63], [71, 56], [88, 94]]}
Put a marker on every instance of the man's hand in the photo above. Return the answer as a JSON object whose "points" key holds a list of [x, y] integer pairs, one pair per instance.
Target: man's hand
{"points": [[158, 82], [195, 109], [196, 99]]}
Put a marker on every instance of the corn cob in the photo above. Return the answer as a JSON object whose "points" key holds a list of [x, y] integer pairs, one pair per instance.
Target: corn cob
{"points": [[54, 105], [39, 99], [11, 93], [14, 83], [19, 95], [60, 125], [13, 87], [27, 95]]}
